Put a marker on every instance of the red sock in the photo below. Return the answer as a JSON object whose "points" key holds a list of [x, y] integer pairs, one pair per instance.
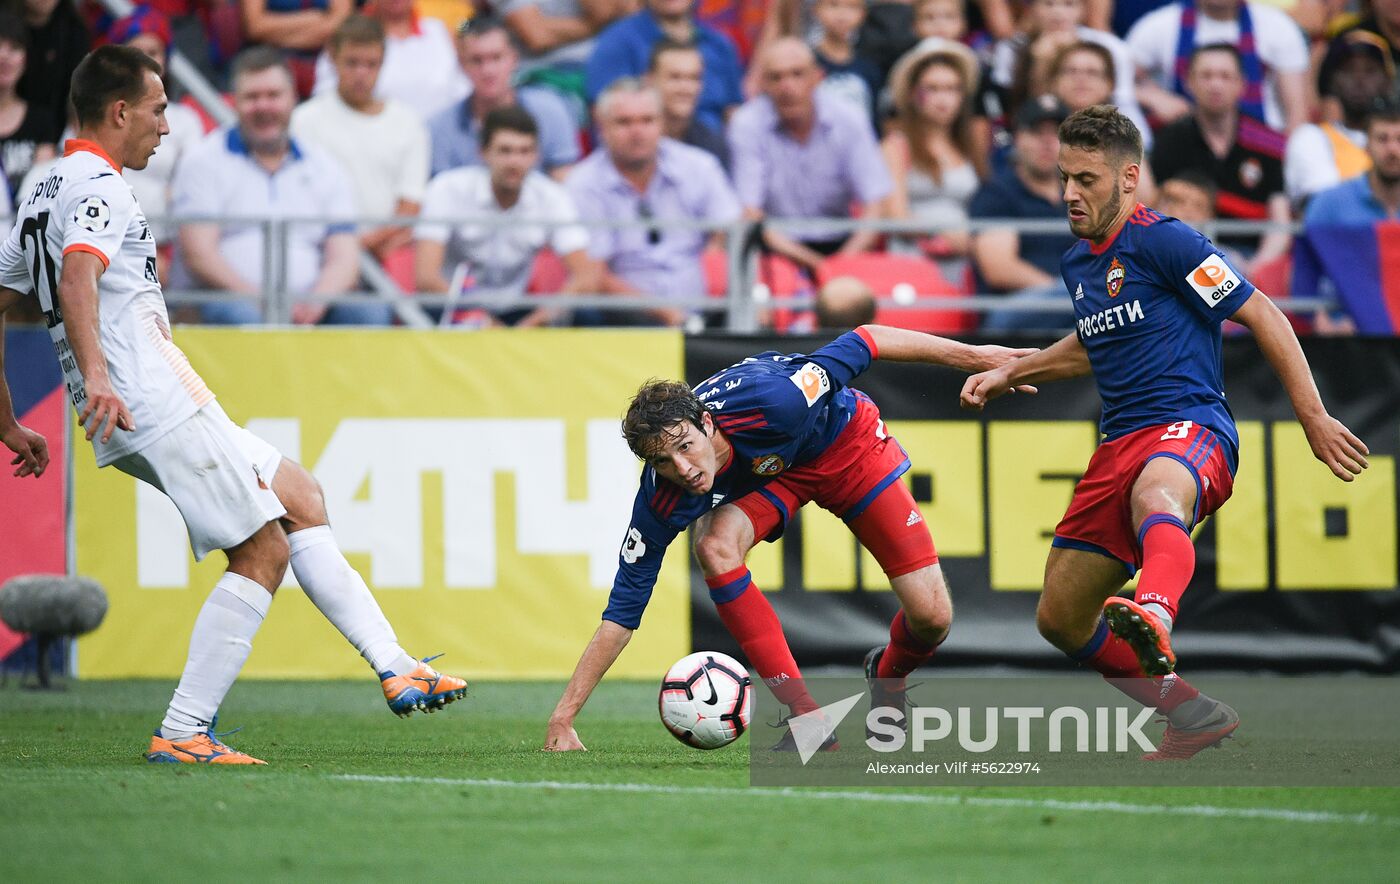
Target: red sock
{"points": [[905, 652], [754, 625], [1114, 659], [1168, 560]]}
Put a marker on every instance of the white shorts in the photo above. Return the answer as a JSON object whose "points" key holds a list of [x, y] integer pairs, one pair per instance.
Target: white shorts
{"points": [[218, 475]]}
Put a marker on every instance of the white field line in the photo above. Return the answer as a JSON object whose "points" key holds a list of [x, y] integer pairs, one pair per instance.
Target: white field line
{"points": [[1039, 804]]}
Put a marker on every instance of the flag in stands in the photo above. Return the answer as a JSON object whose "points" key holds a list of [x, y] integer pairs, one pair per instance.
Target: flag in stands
{"points": [[1363, 268]]}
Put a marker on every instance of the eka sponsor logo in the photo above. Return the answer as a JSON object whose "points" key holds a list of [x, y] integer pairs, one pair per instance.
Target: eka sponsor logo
{"points": [[1213, 280]]}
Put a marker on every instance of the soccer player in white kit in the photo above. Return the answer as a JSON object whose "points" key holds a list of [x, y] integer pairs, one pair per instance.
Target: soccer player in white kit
{"points": [[82, 247]]}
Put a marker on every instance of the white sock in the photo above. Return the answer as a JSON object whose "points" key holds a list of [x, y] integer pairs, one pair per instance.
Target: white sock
{"points": [[1161, 613], [339, 592], [221, 641]]}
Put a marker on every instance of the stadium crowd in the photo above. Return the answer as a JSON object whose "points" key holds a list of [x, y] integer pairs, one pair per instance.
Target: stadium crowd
{"points": [[606, 147]]}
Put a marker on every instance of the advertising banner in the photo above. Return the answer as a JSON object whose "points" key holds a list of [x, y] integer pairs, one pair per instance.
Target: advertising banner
{"points": [[478, 481]]}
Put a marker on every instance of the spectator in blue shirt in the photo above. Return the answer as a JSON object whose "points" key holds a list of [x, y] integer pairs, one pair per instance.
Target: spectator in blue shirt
{"points": [[1371, 196], [624, 50]]}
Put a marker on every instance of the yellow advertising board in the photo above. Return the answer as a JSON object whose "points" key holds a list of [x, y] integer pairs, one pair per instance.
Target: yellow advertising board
{"points": [[478, 481]]}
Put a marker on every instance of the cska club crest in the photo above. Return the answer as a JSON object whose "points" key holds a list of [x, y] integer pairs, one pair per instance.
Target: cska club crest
{"points": [[767, 465], [1115, 278]]}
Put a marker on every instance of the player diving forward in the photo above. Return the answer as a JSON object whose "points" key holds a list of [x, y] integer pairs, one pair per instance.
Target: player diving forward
{"points": [[1149, 295], [83, 248], [736, 457]]}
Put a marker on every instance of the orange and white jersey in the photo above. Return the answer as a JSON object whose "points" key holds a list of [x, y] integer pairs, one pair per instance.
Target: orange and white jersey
{"points": [[84, 205]]}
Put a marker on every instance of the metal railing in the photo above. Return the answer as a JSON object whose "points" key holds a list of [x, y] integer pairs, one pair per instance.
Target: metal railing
{"points": [[276, 300], [741, 305]]}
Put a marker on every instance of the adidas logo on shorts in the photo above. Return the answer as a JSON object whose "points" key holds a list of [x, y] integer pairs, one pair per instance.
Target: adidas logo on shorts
{"points": [[914, 519]]}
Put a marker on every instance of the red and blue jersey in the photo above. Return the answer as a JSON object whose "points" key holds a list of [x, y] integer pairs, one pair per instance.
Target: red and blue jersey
{"points": [[1148, 306], [777, 411]]}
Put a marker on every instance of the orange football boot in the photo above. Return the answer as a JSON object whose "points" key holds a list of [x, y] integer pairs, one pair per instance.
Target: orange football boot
{"points": [[423, 690], [1179, 744], [202, 748], [1141, 629]]}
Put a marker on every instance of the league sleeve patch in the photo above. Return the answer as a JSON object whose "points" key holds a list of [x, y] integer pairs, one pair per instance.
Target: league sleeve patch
{"points": [[812, 380], [1213, 280], [93, 214], [633, 547]]}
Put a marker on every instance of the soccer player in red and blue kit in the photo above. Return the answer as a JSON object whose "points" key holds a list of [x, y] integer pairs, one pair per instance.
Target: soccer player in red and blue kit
{"points": [[1149, 296], [736, 457]]}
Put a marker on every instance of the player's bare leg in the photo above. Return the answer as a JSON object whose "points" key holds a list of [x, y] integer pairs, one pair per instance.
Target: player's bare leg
{"points": [[219, 645], [340, 593], [925, 603], [723, 538], [1077, 583], [922, 623]]}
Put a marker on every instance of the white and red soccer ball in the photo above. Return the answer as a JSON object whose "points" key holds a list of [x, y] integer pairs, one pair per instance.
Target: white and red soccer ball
{"points": [[706, 700]]}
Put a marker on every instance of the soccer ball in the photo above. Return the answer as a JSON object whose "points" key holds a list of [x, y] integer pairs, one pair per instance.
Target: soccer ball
{"points": [[706, 700]]}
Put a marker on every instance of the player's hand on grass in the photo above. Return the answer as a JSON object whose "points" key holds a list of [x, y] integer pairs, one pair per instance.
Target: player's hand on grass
{"points": [[561, 737], [31, 451], [105, 408], [1335, 445]]}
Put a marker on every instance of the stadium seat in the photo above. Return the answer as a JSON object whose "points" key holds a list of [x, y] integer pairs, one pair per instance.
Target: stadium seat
{"points": [[884, 273], [780, 276], [1275, 279], [1273, 276], [715, 264], [399, 265], [548, 275]]}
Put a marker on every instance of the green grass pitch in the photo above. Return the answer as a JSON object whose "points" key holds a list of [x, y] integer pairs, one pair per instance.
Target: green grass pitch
{"points": [[466, 795]]}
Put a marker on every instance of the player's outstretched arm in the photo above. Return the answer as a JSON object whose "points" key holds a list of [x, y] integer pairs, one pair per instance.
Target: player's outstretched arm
{"points": [[31, 451], [603, 649], [1066, 358], [903, 345], [77, 297], [1331, 442]]}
